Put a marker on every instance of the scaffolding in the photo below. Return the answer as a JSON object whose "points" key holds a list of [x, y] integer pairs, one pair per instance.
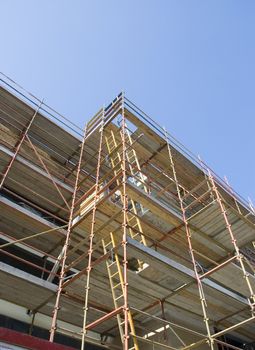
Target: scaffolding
{"points": [[149, 242]]}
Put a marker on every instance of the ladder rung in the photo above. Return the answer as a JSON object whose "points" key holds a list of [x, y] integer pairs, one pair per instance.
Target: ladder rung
{"points": [[106, 245], [134, 235], [119, 297], [132, 225], [115, 273], [134, 218], [111, 264], [117, 285]]}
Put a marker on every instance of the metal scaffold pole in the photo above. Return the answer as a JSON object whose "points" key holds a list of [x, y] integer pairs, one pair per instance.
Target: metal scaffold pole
{"points": [[92, 234], [66, 245], [191, 251], [124, 237]]}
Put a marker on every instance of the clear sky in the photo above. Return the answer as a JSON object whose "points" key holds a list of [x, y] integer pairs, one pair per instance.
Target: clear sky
{"points": [[188, 64]]}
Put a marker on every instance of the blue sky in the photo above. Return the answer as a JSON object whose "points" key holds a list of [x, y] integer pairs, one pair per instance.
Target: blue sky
{"points": [[188, 64]]}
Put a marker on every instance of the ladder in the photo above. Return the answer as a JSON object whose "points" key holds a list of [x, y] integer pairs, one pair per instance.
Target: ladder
{"points": [[134, 165], [134, 224], [135, 230], [115, 274]]}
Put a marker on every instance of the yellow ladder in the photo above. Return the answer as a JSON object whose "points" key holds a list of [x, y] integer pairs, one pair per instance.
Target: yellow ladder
{"points": [[134, 164], [134, 224], [116, 279]]}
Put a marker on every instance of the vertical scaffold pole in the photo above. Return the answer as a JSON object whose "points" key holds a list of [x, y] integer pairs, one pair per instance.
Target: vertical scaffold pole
{"points": [[91, 236], [191, 251], [124, 225], [19, 144], [67, 241], [251, 298]]}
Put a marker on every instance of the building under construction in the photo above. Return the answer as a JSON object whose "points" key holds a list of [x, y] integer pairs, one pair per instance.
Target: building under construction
{"points": [[115, 236]]}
